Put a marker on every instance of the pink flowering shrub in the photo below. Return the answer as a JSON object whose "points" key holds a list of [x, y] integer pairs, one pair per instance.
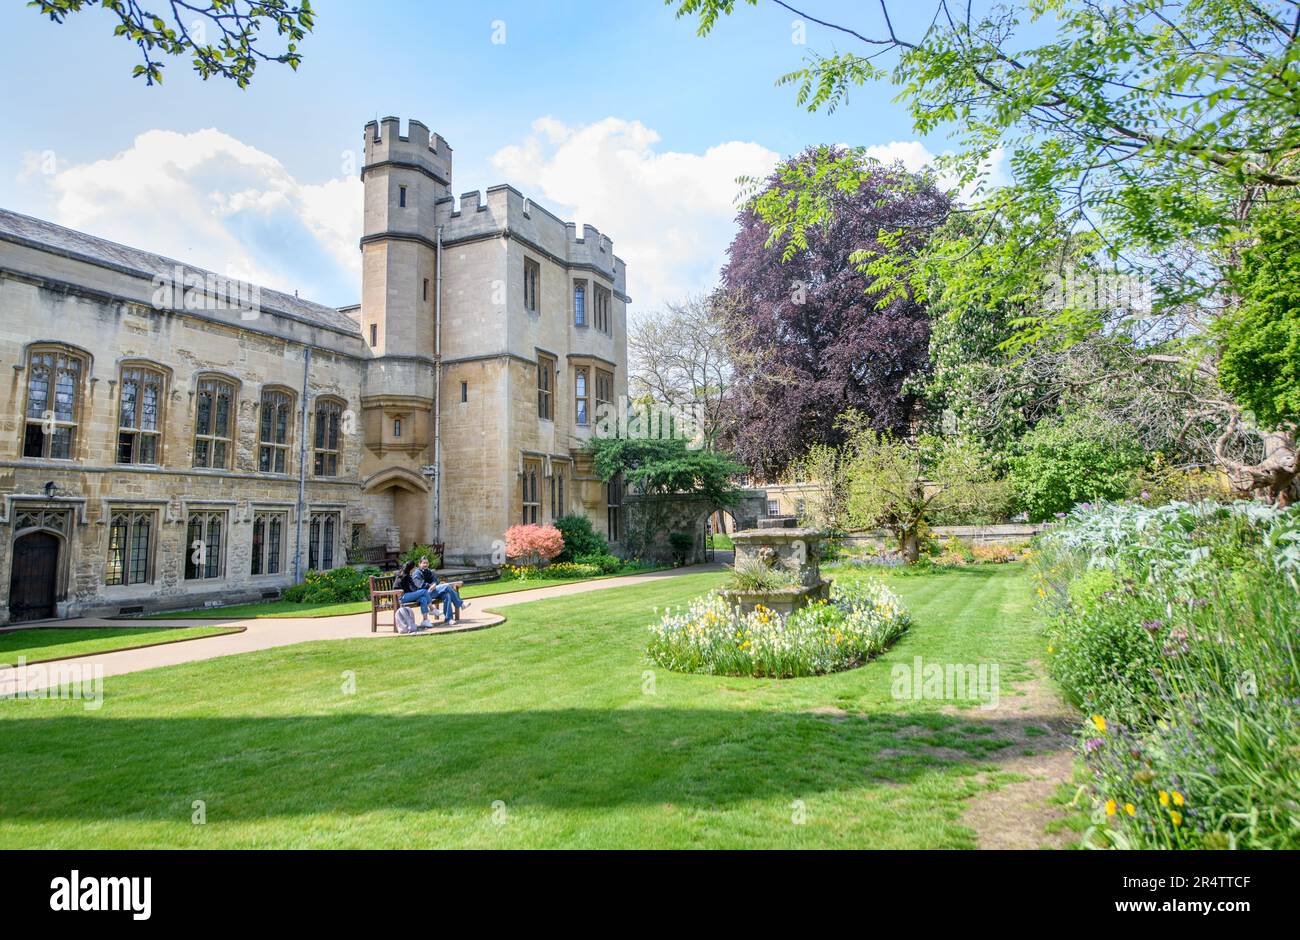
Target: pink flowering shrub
{"points": [[533, 544]]}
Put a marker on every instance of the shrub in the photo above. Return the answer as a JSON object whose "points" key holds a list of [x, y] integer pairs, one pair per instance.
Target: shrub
{"points": [[580, 539], [533, 544], [336, 586], [607, 563], [862, 619], [569, 569], [416, 552], [1075, 460]]}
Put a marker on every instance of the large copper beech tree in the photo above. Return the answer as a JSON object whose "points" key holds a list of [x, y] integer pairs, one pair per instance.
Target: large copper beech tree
{"points": [[810, 341]]}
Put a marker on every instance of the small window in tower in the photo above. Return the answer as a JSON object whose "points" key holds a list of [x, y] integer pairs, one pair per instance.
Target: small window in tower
{"points": [[374, 335], [397, 427], [464, 391], [426, 288], [401, 196]]}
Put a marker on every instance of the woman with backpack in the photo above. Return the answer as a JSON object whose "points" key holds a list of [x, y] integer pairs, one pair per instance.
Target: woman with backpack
{"points": [[413, 591]]}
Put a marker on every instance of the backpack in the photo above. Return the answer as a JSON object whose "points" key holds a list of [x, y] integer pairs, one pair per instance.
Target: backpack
{"points": [[404, 619]]}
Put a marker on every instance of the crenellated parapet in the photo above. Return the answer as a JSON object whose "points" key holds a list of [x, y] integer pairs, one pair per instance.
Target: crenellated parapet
{"points": [[385, 145]]}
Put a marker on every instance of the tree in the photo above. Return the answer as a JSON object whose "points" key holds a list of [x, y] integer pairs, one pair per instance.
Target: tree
{"points": [[667, 466], [809, 341], [1260, 345], [679, 359], [1080, 458], [902, 485], [1159, 127], [182, 30]]}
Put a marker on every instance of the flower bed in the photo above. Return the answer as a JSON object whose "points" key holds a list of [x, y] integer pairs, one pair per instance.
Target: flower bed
{"points": [[1175, 631], [861, 620]]}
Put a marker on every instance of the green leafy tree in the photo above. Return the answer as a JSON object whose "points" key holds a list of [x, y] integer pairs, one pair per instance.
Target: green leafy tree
{"points": [[219, 36], [1260, 363], [904, 485], [1077, 459], [664, 466], [1157, 127], [580, 539]]}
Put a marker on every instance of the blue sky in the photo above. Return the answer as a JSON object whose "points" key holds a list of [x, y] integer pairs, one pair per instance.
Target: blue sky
{"points": [[613, 113]]}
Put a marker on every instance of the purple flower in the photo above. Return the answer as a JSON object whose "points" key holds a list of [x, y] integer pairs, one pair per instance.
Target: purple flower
{"points": [[1151, 626], [1092, 744]]}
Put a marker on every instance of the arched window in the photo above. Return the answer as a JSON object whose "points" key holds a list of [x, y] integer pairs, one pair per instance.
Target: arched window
{"points": [[140, 415], [54, 402], [205, 545], [274, 434], [329, 413], [214, 423]]}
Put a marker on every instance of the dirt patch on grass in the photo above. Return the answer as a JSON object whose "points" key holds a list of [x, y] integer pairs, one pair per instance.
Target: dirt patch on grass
{"points": [[1016, 815]]}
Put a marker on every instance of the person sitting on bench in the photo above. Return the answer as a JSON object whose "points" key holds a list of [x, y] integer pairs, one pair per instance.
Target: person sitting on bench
{"points": [[440, 590], [411, 584]]}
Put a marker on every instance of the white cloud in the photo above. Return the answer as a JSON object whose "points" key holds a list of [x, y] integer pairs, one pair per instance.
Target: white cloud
{"points": [[210, 200], [915, 156], [671, 214]]}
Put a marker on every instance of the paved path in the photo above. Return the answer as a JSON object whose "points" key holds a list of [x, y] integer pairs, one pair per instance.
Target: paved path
{"points": [[268, 633]]}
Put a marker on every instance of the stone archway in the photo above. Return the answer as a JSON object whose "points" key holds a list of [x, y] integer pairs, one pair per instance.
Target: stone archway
{"points": [[652, 519]]}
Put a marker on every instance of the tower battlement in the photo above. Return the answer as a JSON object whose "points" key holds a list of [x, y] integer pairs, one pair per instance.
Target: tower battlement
{"points": [[386, 145]]}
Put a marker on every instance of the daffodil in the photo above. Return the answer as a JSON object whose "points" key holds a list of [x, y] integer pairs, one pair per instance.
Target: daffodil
{"points": [[1099, 723], [1178, 798], [1175, 817], [1164, 798], [1130, 809], [1110, 807]]}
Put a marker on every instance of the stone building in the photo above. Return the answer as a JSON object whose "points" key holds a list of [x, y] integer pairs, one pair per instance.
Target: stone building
{"points": [[170, 437]]}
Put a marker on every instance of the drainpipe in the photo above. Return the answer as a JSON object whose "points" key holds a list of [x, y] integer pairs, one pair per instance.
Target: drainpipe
{"points": [[298, 573], [437, 396]]}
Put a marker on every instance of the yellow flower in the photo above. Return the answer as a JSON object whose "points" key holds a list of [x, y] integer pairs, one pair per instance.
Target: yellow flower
{"points": [[1164, 798], [1099, 723], [1178, 798], [1176, 817], [1110, 807], [1130, 809]]}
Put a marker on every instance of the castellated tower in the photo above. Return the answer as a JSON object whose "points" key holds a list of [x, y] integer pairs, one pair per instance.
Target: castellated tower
{"points": [[404, 177], [532, 342]]}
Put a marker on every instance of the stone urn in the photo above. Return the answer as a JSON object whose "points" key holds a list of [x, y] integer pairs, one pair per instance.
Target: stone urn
{"points": [[779, 543]]}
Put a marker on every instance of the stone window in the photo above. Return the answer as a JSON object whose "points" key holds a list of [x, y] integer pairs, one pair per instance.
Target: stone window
{"points": [[329, 413], [532, 285], [580, 303], [130, 547], [322, 537], [464, 392], [604, 388], [558, 505], [374, 335], [205, 544], [273, 433], [773, 507], [54, 402], [580, 394], [214, 424], [532, 501], [600, 314], [268, 542], [140, 416], [545, 381], [614, 501], [401, 197]]}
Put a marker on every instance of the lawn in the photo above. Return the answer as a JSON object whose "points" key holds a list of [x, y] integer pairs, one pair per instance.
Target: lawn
{"points": [[551, 730], [40, 645], [273, 610]]}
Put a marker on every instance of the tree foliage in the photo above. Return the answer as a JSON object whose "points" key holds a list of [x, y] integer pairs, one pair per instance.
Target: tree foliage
{"points": [[808, 341], [664, 466], [182, 29], [1077, 459], [1156, 129], [1260, 344]]}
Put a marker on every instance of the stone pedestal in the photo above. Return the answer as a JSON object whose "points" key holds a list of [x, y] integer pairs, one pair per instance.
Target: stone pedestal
{"points": [[779, 544]]}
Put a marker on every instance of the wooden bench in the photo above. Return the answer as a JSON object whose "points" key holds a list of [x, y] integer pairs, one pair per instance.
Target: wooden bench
{"points": [[385, 598]]}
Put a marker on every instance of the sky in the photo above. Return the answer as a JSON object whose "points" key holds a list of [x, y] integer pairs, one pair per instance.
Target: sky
{"points": [[613, 113]]}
